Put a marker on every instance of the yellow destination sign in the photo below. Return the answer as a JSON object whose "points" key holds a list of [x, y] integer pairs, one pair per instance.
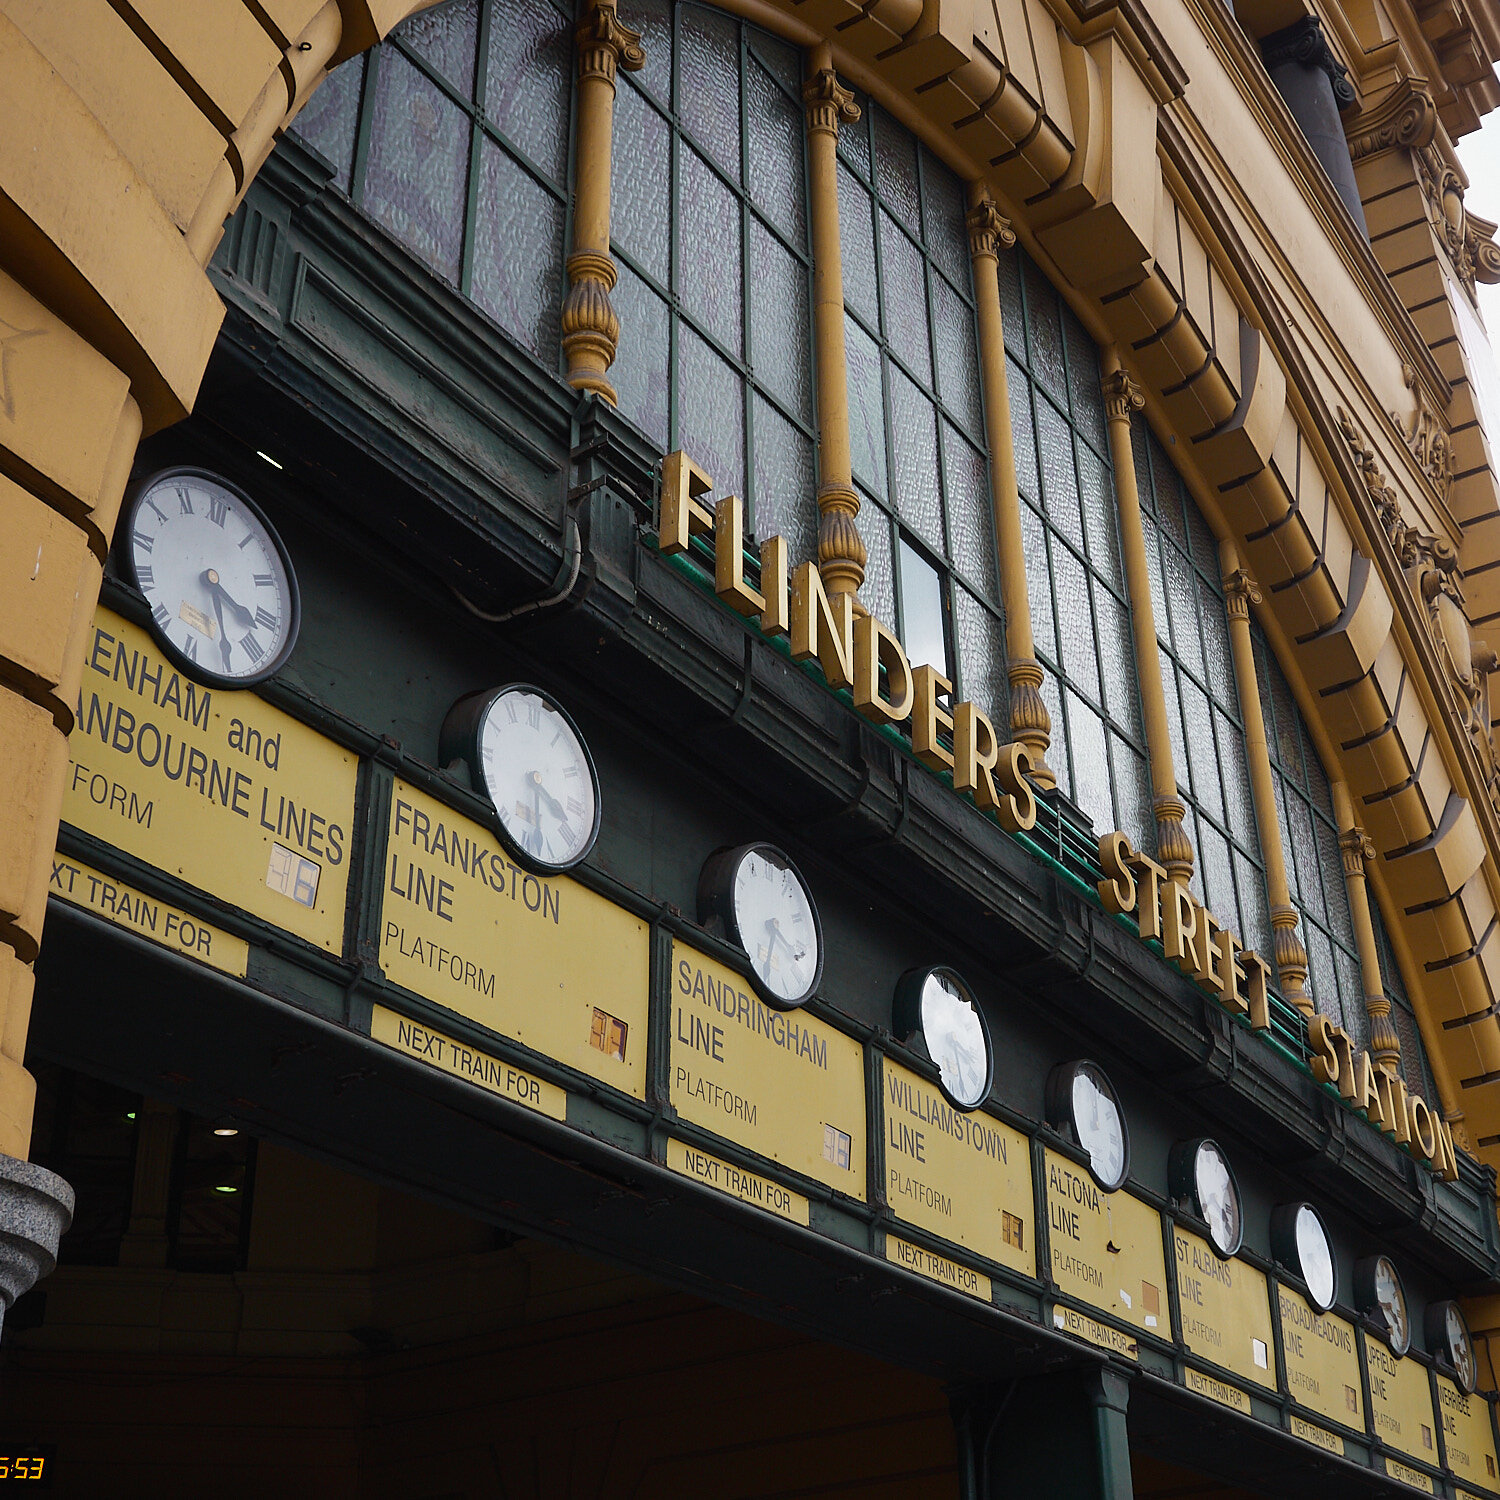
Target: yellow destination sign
{"points": [[1400, 1402], [1216, 1390], [1226, 1311], [938, 1268], [217, 787], [780, 1083], [1468, 1436], [462, 1061], [1309, 1432], [1414, 1477], [963, 1177], [82, 885], [1101, 1334], [1106, 1247], [542, 960], [725, 1177], [1322, 1364]]}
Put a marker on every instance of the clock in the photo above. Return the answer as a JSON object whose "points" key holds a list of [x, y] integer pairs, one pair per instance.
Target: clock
{"points": [[1300, 1241], [756, 896], [218, 581], [1448, 1339], [1201, 1175], [526, 754], [937, 1005], [1082, 1102], [1382, 1299]]}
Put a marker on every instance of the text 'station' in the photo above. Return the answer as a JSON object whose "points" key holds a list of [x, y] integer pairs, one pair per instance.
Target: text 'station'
{"points": [[540, 959], [1226, 1312]]}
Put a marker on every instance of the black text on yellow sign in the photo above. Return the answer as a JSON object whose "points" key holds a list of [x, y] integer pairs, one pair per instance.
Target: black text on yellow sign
{"points": [[1322, 1362], [544, 961], [939, 1268], [217, 787], [780, 1083], [1401, 1402], [736, 1182], [1468, 1436], [1226, 1312]]}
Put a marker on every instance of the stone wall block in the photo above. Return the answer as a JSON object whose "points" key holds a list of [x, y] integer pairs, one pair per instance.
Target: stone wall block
{"points": [[218, 46], [35, 756], [1452, 926], [1440, 863], [1255, 503], [288, 18], [1455, 993], [1283, 554], [17, 983], [1396, 818], [1349, 646]]}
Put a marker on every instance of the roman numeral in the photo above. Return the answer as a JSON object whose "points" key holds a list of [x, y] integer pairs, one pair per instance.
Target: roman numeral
{"points": [[510, 709], [252, 647], [534, 714], [266, 620], [160, 615], [245, 540], [571, 771], [186, 502], [144, 576], [190, 647], [144, 540], [265, 580], [161, 515], [217, 509], [575, 806]]}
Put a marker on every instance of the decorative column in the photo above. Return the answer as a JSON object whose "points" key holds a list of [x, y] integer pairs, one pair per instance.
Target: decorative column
{"points": [[1030, 723], [1356, 847], [1240, 592], [1122, 396], [841, 550], [590, 328]]}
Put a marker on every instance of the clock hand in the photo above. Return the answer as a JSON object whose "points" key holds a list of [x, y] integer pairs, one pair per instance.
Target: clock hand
{"points": [[558, 810], [211, 578], [224, 646]]}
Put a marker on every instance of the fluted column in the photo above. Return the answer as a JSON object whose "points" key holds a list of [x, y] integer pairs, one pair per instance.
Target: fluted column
{"points": [[590, 329], [1356, 847], [1030, 723], [1240, 592], [1122, 396], [841, 550]]}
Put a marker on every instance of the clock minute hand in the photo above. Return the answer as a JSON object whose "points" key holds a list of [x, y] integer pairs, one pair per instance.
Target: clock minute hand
{"points": [[558, 810], [224, 647], [211, 578]]}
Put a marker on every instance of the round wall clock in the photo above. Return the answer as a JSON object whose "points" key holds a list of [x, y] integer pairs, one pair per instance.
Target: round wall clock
{"points": [[527, 754], [763, 904], [1200, 1173], [1382, 1299], [1448, 1339], [938, 1004], [1082, 1102], [1300, 1241], [220, 585]]}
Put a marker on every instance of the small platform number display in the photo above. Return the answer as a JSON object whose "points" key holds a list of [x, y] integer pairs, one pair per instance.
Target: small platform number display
{"points": [[293, 875]]}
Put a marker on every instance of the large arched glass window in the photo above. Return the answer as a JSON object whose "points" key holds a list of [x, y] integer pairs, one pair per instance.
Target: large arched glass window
{"points": [[1203, 715], [453, 135], [916, 418], [1080, 611], [710, 228]]}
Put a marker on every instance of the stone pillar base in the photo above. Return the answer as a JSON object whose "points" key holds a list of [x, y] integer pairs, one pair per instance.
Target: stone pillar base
{"points": [[36, 1208]]}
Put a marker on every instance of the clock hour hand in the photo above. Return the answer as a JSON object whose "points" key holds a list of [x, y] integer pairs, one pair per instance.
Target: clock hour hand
{"points": [[224, 647], [558, 810], [211, 578]]}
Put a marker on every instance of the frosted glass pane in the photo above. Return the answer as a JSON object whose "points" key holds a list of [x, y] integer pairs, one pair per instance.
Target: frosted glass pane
{"points": [[1083, 374], [1294, 885], [914, 438], [1159, 614], [1255, 920], [775, 153], [1168, 486], [1047, 362], [1059, 478], [710, 413], [1305, 857], [879, 589], [903, 290], [653, 19], [1075, 616], [857, 247], [1092, 780], [1180, 762], [780, 59], [786, 501], [708, 248], [1057, 755], [971, 521], [1335, 888], [958, 361], [1205, 548], [528, 83], [922, 630], [779, 321], [1099, 515], [1117, 660], [708, 88], [445, 37], [1218, 874], [1322, 980], [1023, 431], [896, 170], [1132, 793], [640, 213], [1038, 581], [1198, 721], [416, 177], [1010, 303], [518, 253], [1234, 772], [866, 407], [1316, 777], [1218, 662], [854, 140], [945, 208], [981, 659], [639, 373], [1182, 602], [329, 122]]}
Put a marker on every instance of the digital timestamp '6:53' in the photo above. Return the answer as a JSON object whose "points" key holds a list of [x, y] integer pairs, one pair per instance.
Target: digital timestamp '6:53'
{"points": [[32, 1466]]}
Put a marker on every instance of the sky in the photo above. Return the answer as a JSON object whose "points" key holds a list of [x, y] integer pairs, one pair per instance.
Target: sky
{"points": [[1480, 155]]}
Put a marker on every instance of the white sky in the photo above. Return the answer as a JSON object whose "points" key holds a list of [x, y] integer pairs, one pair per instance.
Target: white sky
{"points": [[1480, 155]]}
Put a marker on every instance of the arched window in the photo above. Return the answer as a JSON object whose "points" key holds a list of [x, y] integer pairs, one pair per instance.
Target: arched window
{"points": [[453, 135], [916, 418], [1080, 611], [710, 228]]}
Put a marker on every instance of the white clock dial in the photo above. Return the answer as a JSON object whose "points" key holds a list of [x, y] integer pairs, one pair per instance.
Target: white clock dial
{"points": [[1218, 1198], [955, 1037], [773, 915], [1315, 1258], [223, 600], [1391, 1300], [1099, 1125], [1460, 1350], [540, 778]]}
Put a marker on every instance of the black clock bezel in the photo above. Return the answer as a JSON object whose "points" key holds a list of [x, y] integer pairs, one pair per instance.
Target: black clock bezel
{"points": [[180, 659], [1060, 1115], [716, 910], [1367, 1301], [1435, 1326], [459, 739], [1182, 1177], [906, 1019], [1284, 1249]]}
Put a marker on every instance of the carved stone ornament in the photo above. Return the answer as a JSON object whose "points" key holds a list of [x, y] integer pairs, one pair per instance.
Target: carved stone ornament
{"points": [[1121, 396], [1303, 42], [829, 103], [989, 231], [604, 42], [1427, 437], [1406, 116]]}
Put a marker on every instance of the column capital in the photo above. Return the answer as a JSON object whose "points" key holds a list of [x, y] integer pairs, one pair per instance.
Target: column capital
{"points": [[989, 231], [1121, 395], [829, 103], [1240, 592], [605, 42], [1356, 846]]}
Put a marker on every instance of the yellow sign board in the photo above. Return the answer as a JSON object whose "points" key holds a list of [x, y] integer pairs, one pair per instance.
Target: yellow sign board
{"points": [[1319, 1437], [780, 1083], [1414, 1477], [82, 885], [214, 786], [1226, 1311], [1468, 1436], [963, 1177], [938, 1268], [748, 1187], [1106, 1247], [1401, 1402], [542, 960], [1216, 1390], [1100, 1334], [1322, 1364], [462, 1061]]}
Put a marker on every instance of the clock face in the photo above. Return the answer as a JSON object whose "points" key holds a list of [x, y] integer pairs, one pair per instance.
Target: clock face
{"points": [[776, 925], [1390, 1300], [540, 777], [956, 1038], [1315, 1257], [1460, 1351], [1099, 1125], [222, 594], [1218, 1198]]}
